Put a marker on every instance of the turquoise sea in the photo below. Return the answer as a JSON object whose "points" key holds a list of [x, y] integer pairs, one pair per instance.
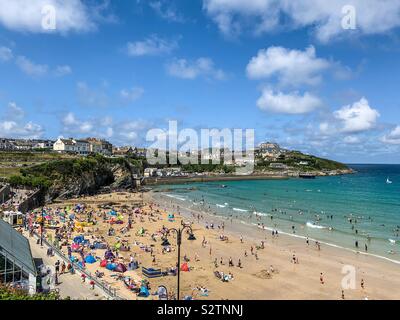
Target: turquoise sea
{"points": [[339, 210]]}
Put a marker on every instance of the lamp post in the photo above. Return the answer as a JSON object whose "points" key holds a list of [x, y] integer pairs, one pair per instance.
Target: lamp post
{"points": [[179, 242]]}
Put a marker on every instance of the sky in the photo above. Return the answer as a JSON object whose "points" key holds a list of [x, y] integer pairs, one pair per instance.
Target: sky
{"points": [[316, 76]]}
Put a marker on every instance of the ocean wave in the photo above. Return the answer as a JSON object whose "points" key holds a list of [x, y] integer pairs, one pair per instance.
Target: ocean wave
{"points": [[240, 210], [392, 241], [261, 214], [315, 226], [221, 205], [175, 197], [312, 239]]}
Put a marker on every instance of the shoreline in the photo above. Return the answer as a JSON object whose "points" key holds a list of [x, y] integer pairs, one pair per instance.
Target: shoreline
{"points": [[182, 180], [251, 226], [330, 260], [251, 280], [150, 181]]}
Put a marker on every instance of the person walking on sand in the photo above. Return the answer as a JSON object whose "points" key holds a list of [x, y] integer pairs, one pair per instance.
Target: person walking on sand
{"points": [[342, 294], [63, 266], [362, 284], [241, 239], [321, 278]]}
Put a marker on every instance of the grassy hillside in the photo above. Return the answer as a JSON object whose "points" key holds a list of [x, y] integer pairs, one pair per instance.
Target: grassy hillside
{"points": [[11, 163], [293, 159], [92, 169]]}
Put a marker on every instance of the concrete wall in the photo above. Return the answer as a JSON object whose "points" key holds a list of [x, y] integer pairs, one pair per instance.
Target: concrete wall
{"points": [[32, 202], [4, 193]]}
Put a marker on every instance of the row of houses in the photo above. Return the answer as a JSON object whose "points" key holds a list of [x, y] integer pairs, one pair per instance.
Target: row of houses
{"points": [[24, 144], [83, 146]]}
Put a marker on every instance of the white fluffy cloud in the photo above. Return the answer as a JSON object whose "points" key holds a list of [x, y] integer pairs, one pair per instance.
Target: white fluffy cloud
{"points": [[92, 97], [351, 140], [30, 68], [291, 103], [372, 16], [74, 125], [357, 117], [131, 95], [27, 15], [14, 111], [393, 137], [61, 71], [152, 46], [184, 69], [13, 129], [6, 54], [291, 67], [166, 11], [129, 132], [12, 124]]}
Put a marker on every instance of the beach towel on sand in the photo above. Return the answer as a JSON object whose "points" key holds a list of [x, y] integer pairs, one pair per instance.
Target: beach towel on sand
{"points": [[185, 267]]}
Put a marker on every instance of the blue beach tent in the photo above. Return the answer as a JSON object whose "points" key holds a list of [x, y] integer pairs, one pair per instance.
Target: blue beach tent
{"points": [[90, 259], [111, 266]]}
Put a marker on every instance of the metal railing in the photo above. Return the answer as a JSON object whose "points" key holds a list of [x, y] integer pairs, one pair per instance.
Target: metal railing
{"points": [[102, 285]]}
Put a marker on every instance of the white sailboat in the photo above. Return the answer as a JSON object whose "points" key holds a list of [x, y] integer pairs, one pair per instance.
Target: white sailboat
{"points": [[388, 181]]}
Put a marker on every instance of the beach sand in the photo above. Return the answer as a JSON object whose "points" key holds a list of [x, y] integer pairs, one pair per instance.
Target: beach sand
{"points": [[288, 281]]}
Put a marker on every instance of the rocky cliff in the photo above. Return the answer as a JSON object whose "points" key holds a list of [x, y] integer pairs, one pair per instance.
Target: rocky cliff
{"points": [[84, 176]]}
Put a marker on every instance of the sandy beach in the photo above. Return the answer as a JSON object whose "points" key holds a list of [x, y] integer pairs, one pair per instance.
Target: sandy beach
{"points": [[266, 273]]}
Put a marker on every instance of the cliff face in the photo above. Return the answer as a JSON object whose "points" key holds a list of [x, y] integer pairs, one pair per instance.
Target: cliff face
{"points": [[70, 178], [87, 183]]}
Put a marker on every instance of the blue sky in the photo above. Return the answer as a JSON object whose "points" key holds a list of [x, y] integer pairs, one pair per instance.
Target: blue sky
{"points": [[115, 69]]}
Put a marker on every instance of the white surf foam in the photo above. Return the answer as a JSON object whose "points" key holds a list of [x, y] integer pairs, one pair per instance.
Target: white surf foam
{"points": [[315, 226], [260, 214], [175, 197]]}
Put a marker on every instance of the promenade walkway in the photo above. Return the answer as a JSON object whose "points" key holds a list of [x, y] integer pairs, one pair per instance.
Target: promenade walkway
{"points": [[70, 285]]}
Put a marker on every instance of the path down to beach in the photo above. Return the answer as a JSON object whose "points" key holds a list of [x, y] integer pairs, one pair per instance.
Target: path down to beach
{"points": [[70, 285]]}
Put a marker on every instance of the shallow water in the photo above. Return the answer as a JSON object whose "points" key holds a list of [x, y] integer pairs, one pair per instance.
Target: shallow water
{"points": [[339, 210]]}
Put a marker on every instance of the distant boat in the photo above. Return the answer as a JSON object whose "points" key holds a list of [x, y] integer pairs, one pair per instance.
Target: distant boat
{"points": [[388, 181]]}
